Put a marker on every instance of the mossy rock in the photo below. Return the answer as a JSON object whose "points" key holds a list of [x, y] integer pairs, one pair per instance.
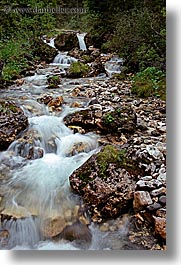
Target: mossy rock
{"points": [[78, 69], [66, 41], [106, 182], [43, 51], [54, 81], [121, 120]]}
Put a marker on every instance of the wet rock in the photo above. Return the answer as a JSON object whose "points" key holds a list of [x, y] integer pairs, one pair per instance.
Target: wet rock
{"points": [[78, 148], [35, 153], [26, 146], [12, 122], [45, 99], [54, 81], [160, 227], [141, 199], [14, 212], [4, 237], [66, 41], [162, 200], [154, 207], [55, 104], [77, 129], [75, 104], [83, 119], [77, 231], [53, 226]]}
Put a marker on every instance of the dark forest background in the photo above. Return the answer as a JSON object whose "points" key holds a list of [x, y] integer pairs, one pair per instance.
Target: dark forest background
{"points": [[134, 29]]}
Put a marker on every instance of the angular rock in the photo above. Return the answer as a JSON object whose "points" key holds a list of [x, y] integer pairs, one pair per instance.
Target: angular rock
{"points": [[162, 178], [56, 103], [160, 227], [121, 120], [45, 99], [141, 199], [26, 145]]}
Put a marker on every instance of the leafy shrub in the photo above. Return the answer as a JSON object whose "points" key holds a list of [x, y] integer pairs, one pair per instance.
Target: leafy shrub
{"points": [[140, 38], [12, 53], [150, 82]]}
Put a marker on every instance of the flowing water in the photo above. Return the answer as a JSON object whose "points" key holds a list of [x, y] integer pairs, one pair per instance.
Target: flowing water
{"points": [[82, 44], [37, 202], [114, 66]]}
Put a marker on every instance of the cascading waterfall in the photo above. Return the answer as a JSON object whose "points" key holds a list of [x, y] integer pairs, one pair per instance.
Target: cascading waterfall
{"points": [[63, 59], [81, 40], [51, 42], [39, 190]]}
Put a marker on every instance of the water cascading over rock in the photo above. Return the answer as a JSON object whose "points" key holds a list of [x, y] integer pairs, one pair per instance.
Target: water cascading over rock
{"points": [[81, 40], [64, 60], [38, 197], [114, 66]]}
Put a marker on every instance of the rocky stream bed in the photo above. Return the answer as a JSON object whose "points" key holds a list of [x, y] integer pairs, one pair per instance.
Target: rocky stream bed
{"points": [[112, 146]]}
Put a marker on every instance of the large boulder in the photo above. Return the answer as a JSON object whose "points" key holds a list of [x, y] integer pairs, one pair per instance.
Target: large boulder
{"points": [[43, 51], [66, 41], [12, 122], [106, 182], [121, 120]]}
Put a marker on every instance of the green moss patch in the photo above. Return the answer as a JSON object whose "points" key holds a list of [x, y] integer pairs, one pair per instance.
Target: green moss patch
{"points": [[78, 69]]}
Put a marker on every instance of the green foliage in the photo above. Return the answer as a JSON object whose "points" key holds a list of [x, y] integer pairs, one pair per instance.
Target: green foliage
{"points": [[108, 118], [13, 55], [54, 81], [78, 69], [18, 32], [150, 82], [86, 58], [140, 39], [109, 155], [7, 107]]}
